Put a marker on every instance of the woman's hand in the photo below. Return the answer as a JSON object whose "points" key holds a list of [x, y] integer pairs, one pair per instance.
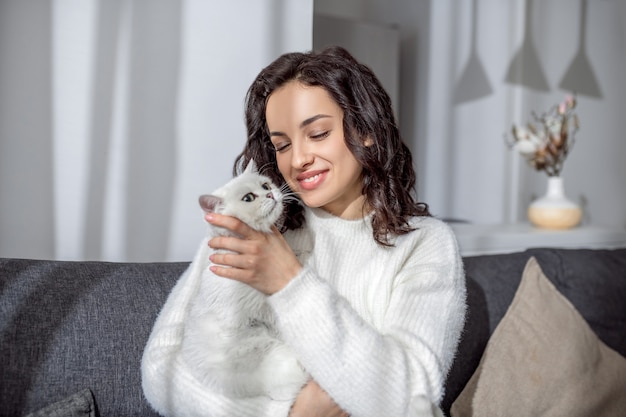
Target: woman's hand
{"points": [[313, 401], [263, 261]]}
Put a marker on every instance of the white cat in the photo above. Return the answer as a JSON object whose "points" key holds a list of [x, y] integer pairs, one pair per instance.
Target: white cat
{"points": [[230, 339]]}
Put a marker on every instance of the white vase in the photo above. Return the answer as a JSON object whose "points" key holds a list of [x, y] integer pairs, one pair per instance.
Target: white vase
{"points": [[554, 210]]}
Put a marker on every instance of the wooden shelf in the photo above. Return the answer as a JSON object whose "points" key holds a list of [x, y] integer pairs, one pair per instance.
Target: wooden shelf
{"points": [[477, 239]]}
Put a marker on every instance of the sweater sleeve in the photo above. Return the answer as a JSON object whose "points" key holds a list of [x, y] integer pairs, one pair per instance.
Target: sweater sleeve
{"points": [[167, 382], [397, 367]]}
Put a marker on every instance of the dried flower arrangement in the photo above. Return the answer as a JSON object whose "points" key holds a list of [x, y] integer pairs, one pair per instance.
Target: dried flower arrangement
{"points": [[546, 147]]}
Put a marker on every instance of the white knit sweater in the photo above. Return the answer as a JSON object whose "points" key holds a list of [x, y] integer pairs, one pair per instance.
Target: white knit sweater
{"points": [[377, 327]]}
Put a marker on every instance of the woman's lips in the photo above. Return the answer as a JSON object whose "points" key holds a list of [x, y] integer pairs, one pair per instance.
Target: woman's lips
{"points": [[311, 180]]}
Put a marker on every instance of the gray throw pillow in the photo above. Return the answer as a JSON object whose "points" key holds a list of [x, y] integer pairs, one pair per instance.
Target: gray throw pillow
{"points": [[80, 404]]}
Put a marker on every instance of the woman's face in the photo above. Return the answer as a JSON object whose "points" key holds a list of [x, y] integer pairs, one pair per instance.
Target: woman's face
{"points": [[306, 129]]}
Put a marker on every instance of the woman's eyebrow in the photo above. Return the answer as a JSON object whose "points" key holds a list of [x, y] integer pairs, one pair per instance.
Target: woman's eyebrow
{"points": [[302, 125], [312, 119]]}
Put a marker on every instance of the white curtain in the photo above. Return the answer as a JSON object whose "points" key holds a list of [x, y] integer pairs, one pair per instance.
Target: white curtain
{"points": [[116, 114]]}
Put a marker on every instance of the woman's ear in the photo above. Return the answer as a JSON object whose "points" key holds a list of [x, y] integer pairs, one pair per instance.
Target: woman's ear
{"points": [[368, 142]]}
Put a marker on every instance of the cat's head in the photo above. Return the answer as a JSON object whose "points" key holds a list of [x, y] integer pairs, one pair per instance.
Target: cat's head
{"points": [[251, 197]]}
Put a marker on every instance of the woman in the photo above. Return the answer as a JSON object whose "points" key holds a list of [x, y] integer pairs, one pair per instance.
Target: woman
{"points": [[368, 288]]}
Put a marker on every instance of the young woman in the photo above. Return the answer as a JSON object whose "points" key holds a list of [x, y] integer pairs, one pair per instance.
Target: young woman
{"points": [[367, 287]]}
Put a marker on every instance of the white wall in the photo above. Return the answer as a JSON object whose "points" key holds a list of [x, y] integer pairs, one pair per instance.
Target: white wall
{"points": [[464, 169], [412, 19], [376, 45], [595, 172]]}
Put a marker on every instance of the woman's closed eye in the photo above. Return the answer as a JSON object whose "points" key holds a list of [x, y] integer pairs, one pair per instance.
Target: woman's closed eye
{"points": [[281, 146], [320, 136]]}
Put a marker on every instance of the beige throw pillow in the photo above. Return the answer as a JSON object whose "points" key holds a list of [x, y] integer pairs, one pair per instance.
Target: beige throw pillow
{"points": [[543, 359]]}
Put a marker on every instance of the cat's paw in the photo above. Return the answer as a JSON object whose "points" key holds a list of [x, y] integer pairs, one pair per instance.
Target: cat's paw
{"points": [[287, 383], [284, 377]]}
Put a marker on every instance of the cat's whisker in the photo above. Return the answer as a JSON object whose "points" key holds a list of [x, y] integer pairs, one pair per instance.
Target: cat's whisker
{"points": [[285, 189], [292, 199], [290, 195], [288, 192], [264, 167]]}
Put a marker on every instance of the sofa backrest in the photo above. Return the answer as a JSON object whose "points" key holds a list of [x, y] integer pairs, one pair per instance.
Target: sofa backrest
{"points": [[67, 326]]}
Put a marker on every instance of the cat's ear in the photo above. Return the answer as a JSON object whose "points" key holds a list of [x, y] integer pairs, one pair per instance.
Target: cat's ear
{"points": [[251, 168], [209, 202]]}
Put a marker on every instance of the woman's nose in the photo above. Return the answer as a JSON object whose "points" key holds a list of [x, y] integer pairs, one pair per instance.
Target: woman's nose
{"points": [[301, 156]]}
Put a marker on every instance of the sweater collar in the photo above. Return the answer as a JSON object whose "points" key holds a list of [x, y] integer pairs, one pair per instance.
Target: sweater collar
{"points": [[319, 218]]}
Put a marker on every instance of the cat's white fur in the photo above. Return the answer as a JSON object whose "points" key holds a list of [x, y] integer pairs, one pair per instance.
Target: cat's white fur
{"points": [[230, 340]]}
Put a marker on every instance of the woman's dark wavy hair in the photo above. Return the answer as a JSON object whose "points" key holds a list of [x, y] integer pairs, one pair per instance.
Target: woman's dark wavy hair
{"points": [[388, 175]]}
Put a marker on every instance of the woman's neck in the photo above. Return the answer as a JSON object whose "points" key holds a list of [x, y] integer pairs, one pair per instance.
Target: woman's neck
{"points": [[357, 209]]}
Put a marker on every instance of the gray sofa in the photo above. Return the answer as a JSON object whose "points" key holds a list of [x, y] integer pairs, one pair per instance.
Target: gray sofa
{"points": [[68, 327]]}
